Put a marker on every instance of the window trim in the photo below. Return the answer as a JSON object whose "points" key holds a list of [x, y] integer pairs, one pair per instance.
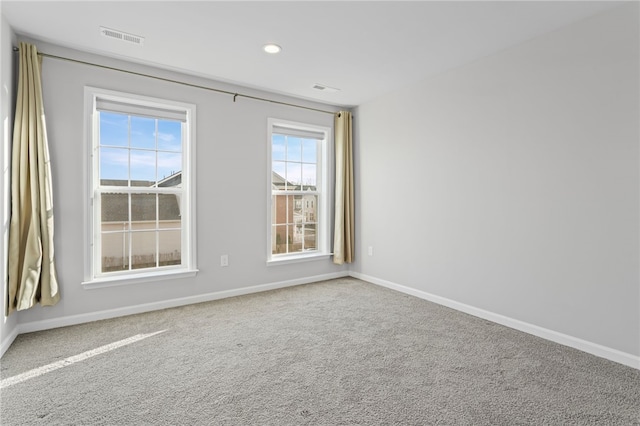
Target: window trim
{"points": [[324, 218], [92, 278]]}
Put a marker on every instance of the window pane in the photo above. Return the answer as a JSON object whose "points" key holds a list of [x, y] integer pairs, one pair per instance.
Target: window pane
{"points": [[115, 251], [294, 149], [278, 147], [309, 176], [279, 171], [143, 168], [122, 226], [114, 212], [114, 166], [294, 176], [290, 206], [295, 238], [297, 206], [169, 211], [169, 243], [273, 240], [143, 211], [275, 208], [284, 205], [169, 169], [310, 217], [169, 135], [280, 239], [143, 132], [114, 129], [310, 236], [310, 151], [310, 208], [143, 249]]}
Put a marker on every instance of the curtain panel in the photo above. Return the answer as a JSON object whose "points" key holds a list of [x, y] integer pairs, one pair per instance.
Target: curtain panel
{"points": [[31, 269], [344, 232]]}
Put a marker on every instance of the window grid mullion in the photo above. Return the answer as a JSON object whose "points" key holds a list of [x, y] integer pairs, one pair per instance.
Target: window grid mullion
{"points": [[129, 151], [130, 234], [157, 223], [302, 223], [130, 223], [288, 224], [139, 190], [157, 231]]}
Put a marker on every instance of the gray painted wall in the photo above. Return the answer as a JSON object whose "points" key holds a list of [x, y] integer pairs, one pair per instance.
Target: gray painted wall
{"points": [[7, 41], [512, 184], [231, 183]]}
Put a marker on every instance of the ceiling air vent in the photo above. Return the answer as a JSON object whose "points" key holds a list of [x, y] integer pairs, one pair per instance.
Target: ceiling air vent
{"points": [[120, 35], [324, 88]]}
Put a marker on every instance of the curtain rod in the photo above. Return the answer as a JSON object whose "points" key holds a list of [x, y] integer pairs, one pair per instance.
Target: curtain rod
{"points": [[226, 92]]}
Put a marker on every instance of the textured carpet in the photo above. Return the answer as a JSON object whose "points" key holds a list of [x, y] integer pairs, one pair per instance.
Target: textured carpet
{"points": [[340, 352]]}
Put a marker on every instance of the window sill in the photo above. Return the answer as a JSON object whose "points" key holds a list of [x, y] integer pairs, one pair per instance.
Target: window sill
{"points": [[284, 260], [138, 278]]}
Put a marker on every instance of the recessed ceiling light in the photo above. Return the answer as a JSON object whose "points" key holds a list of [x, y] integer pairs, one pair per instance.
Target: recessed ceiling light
{"points": [[271, 48]]}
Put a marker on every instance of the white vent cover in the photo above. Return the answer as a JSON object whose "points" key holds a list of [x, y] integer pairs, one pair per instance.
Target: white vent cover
{"points": [[324, 88], [121, 35]]}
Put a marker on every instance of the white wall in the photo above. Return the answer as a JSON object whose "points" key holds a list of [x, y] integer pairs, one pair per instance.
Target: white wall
{"points": [[8, 325], [231, 183], [512, 184]]}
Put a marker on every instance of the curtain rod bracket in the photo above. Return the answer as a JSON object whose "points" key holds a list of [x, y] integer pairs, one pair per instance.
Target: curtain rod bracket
{"points": [[235, 95]]}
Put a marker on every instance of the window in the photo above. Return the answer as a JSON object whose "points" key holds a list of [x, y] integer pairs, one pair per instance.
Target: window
{"points": [[298, 172], [141, 218]]}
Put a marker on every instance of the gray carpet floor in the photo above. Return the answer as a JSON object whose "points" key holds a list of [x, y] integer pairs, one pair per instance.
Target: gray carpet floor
{"points": [[339, 352]]}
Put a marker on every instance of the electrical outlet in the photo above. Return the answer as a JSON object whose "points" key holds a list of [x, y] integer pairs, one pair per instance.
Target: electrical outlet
{"points": [[224, 260], [370, 251]]}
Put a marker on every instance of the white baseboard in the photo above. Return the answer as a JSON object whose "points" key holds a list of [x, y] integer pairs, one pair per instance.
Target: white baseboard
{"points": [[164, 304], [8, 340], [554, 336]]}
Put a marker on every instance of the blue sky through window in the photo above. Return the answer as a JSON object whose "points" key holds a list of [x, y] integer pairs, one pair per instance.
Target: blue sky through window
{"points": [[139, 148], [295, 159]]}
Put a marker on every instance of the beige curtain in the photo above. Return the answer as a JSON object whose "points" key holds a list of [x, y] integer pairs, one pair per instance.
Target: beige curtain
{"points": [[32, 274], [344, 232]]}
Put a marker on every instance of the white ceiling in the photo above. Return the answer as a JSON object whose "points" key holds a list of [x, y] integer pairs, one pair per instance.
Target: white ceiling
{"points": [[364, 48]]}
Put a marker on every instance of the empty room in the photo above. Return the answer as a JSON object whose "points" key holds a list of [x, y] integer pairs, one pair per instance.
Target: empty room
{"points": [[320, 212]]}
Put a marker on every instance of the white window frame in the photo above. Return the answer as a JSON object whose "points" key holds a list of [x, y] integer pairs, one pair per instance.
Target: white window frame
{"points": [[93, 277], [324, 167]]}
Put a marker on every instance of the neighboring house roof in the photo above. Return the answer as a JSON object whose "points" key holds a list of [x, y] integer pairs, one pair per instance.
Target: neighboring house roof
{"points": [[120, 182], [115, 207], [171, 180], [279, 183]]}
